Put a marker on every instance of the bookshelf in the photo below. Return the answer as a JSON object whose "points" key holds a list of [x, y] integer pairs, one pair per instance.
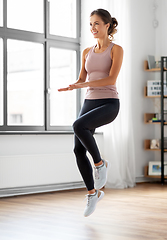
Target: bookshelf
{"points": [[148, 117]]}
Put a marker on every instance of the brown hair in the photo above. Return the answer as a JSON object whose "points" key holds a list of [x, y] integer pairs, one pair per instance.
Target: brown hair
{"points": [[106, 18]]}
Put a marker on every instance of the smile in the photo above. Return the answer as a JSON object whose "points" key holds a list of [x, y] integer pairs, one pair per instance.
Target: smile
{"points": [[94, 33]]}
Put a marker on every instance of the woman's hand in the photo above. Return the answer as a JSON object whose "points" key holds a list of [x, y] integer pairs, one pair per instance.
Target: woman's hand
{"points": [[69, 88], [63, 89], [74, 86]]}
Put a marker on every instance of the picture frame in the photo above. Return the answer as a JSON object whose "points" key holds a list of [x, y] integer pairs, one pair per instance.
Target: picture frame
{"points": [[154, 168]]}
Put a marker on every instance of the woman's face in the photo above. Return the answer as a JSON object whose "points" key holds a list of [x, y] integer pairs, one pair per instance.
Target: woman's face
{"points": [[97, 27]]}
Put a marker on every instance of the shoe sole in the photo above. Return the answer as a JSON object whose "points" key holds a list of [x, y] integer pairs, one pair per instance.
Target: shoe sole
{"points": [[107, 168], [99, 198]]}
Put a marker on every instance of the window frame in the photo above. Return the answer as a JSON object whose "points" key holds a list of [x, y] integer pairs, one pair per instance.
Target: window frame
{"points": [[68, 46], [2, 13], [48, 40]]}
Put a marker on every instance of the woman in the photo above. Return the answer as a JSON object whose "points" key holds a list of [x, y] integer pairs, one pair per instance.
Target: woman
{"points": [[101, 63]]}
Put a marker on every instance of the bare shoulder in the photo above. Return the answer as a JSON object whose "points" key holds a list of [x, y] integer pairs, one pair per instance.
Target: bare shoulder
{"points": [[116, 50], [85, 51]]}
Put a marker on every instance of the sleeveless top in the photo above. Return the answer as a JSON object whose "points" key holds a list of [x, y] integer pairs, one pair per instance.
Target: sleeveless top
{"points": [[98, 66]]}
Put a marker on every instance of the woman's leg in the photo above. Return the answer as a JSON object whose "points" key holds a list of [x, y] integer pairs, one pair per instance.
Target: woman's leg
{"points": [[104, 112], [83, 162], [94, 113]]}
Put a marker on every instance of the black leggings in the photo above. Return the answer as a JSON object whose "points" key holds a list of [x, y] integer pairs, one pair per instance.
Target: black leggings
{"points": [[94, 113]]}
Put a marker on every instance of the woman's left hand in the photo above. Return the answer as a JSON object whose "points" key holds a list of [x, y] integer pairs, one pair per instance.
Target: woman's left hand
{"points": [[74, 86], [78, 85]]}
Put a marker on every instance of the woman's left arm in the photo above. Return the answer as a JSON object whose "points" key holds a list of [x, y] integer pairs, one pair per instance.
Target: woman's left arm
{"points": [[117, 57]]}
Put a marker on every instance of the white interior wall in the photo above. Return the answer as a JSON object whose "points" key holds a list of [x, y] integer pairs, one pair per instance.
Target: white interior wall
{"points": [[160, 32], [33, 160], [146, 40], [142, 44]]}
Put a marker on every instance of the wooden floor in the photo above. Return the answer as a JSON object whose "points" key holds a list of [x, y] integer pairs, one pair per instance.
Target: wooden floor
{"points": [[128, 214]]}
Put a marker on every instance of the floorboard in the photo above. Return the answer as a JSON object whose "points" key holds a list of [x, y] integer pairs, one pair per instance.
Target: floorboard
{"points": [[125, 214]]}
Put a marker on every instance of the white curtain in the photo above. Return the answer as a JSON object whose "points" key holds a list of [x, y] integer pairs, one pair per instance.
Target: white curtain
{"points": [[118, 136]]}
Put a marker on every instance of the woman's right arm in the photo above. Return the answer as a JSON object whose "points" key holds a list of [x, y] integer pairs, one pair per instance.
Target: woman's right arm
{"points": [[83, 72]]}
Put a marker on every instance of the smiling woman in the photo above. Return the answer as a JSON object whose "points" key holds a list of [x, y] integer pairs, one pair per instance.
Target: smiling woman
{"points": [[104, 18], [99, 71]]}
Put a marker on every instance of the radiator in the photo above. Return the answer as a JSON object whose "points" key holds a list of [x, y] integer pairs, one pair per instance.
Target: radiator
{"points": [[33, 171]]}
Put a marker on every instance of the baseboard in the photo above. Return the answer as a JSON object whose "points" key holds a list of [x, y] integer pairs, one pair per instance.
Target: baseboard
{"points": [[143, 179], [8, 192]]}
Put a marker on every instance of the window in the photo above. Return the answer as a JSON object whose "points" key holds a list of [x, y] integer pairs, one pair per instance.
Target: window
{"points": [[16, 118], [62, 73], [25, 82], [1, 83], [25, 15], [1, 13], [38, 57], [63, 13]]}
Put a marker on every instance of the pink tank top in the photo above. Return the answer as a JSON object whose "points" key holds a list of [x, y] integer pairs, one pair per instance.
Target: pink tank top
{"points": [[98, 66]]}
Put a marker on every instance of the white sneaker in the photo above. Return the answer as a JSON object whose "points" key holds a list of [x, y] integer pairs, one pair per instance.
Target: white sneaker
{"points": [[92, 200], [101, 175]]}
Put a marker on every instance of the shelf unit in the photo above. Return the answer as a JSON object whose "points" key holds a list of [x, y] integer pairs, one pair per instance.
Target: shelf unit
{"points": [[149, 116]]}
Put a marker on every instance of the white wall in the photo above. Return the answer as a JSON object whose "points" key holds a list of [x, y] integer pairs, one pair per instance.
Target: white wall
{"points": [[33, 160], [145, 40], [160, 32], [142, 44], [38, 159]]}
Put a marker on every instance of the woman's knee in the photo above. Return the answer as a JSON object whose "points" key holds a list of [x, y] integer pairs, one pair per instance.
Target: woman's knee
{"points": [[77, 126]]}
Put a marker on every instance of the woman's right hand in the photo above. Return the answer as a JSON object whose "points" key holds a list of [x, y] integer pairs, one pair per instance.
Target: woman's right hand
{"points": [[69, 88], [63, 89]]}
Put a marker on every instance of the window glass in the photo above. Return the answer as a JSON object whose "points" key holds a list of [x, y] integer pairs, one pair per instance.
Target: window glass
{"points": [[1, 82], [1, 12], [62, 73], [63, 18], [25, 15], [25, 87]]}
